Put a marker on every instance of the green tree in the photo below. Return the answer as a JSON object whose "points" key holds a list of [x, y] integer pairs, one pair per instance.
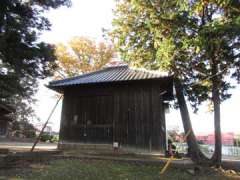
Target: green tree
{"points": [[197, 41], [81, 55], [23, 129], [23, 58], [142, 44]]}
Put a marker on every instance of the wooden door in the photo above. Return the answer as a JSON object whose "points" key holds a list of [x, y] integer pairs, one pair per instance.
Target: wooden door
{"points": [[96, 119]]}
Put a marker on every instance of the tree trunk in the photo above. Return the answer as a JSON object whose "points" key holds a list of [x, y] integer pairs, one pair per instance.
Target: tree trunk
{"points": [[194, 150], [217, 156]]}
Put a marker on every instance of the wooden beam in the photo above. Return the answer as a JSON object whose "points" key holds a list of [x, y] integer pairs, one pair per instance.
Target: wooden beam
{"points": [[44, 126]]}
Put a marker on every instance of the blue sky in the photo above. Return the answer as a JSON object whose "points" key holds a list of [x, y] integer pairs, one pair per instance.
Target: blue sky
{"points": [[87, 18]]}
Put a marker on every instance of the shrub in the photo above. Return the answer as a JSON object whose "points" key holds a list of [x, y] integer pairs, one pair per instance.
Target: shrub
{"points": [[45, 137], [30, 134], [54, 139]]}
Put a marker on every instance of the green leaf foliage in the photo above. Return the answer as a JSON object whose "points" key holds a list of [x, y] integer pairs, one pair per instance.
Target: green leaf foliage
{"points": [[23, 58], [184, 37]]}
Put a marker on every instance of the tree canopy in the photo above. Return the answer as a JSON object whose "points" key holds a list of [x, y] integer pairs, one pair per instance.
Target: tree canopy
{"points": [[81, 55], [197, 41], [23, 57], [180, 36]]}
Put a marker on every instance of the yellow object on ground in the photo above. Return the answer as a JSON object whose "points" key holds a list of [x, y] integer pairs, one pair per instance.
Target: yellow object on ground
{"points": [[171, 158], [166, 165]]}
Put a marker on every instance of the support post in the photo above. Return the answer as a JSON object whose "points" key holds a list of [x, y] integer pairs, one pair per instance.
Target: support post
{"points": [[44, 126]]}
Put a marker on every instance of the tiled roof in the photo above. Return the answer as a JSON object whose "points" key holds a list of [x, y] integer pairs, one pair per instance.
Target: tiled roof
{"points": [[6, 108], [110, 74]]}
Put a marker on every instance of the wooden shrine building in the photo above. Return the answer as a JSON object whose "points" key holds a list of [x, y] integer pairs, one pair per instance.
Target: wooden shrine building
{"points": [[115, 104]]}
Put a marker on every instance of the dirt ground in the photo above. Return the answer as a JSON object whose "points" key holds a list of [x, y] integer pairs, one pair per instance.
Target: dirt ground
{"points": [[25, 146]]}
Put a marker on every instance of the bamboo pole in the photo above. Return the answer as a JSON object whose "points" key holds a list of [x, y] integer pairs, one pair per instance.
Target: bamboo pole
{"points": [[166, 165], [45, 124], [172, 157]]}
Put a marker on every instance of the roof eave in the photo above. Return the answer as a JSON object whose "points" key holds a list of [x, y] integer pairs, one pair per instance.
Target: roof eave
{"points": [[60, 88]]}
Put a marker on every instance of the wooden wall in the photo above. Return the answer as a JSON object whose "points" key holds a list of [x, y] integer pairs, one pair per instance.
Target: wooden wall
{"points": [[129, 113]]}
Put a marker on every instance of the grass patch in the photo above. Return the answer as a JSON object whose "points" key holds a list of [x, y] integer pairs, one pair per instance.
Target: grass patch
{"points": [[107, 170]]}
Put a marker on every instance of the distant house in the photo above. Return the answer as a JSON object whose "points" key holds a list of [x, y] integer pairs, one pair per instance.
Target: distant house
{"points": [[227, 139], [5, 119], [115, 104], [47, 129]]}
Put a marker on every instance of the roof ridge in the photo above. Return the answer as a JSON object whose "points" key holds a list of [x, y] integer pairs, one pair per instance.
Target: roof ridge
{"points": [[6, 106], [84, 75], [118, 66], [150, 71], [111, 74]]}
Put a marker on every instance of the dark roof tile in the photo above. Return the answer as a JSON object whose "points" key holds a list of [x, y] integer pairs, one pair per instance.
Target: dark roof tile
{"points": [[110, 74]]}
